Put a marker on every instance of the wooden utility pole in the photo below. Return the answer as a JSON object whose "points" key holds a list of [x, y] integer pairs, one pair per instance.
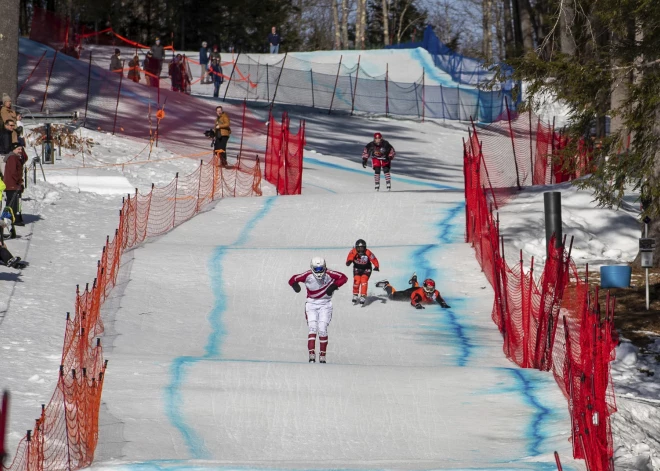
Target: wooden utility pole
{"points": [[9, 21]]}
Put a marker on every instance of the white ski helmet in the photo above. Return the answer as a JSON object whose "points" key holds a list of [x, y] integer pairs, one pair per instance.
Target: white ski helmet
{"points": [[318, 267]]}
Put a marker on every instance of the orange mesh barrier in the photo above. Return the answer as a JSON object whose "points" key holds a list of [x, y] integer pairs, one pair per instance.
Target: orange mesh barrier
{"points": [[284, 156], [578, 348], [66, 433]]}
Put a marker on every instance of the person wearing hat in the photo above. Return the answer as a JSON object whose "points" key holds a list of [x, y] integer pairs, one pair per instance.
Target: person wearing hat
{"points": [[159, 54], [13, 178], [7, 137], [6, 112], [115, 62], [204, 62], [134, 69]]}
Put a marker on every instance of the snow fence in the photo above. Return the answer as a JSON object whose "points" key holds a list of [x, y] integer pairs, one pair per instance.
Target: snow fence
{"points": [[548, 323]]}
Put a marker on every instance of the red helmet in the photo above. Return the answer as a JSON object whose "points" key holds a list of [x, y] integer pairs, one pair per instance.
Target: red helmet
{"points": [[429, 286], [377, 135]]}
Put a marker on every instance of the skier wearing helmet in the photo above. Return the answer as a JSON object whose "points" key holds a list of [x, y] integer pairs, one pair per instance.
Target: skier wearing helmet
{"points": [[381, 154], [363, 261], [320, 283], [426, 294]]}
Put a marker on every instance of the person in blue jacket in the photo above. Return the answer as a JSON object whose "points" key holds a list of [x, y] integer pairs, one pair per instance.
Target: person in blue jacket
{"points": [[274, 41], [204, 63]]}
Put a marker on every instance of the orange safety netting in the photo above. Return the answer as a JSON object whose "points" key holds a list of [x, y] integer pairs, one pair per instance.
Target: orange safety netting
{"points": [[284, 156], [66, 433], [578, 348]]}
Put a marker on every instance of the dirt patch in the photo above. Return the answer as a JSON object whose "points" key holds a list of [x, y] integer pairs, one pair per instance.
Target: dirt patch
{"points": [[631, 318]]}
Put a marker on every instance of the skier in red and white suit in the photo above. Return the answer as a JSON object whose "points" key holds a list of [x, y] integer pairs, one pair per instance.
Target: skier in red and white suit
{"points": [[320, 283], [381, 153]]}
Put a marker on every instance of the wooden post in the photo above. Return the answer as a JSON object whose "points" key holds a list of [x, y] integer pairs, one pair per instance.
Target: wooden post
{"points": [[336, 80], [311, 77], [267, 84], [114, 124], [423, 97], [458, 101], [230, 77], [515, 161], [89, 78], [357, 74], [29, 76], [278, 79], [43, 103], [387, 95], [442, 100]]}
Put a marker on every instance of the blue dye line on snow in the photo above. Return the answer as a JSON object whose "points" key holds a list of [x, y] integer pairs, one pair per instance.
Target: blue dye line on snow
{"points": [[173, 396], [408, 181], [421, 261], [528, 390]]}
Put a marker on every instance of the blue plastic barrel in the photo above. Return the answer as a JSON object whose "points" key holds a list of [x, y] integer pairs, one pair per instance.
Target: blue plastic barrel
{"points": [[615, 276]]}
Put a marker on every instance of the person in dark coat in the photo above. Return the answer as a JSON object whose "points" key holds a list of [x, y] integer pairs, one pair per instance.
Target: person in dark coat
{"points": [[6, 136], [115, 62], [134, 69], [151, 70], [174, 71], [13, 178], [274, 41], [159, 55], [204, 63], [216, 72]]}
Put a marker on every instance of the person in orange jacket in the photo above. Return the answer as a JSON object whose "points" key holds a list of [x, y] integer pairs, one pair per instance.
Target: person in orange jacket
{"points": [[418, 296], [363, 261]]}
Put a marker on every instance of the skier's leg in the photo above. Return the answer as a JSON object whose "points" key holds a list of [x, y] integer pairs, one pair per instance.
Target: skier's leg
{"points": [[388, 183], [376, 165], [312, 314], [364, 282], [325, 316], [403, 295], [5, 255], [356, 285]]}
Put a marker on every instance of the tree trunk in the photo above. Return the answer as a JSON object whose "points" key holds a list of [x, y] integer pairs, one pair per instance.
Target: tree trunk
{"points": [[9, 20], [344, 24], [358, 25], [400, 30], [24, 22], [526, 25], [386, 23], [517, 28], [335, 22], [487, 43], [363, 22], [566, 19], [509, 45]]}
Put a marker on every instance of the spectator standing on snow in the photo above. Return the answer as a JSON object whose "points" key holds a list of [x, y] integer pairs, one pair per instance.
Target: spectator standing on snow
{"points": [[13, 178], [134, 68], [222, 133], [274, 41], [6, 137], [158, 54], [151, 69], [174, 71], [6, 112], [216, 73], [215, 54], [204, 63], [115, 62]]}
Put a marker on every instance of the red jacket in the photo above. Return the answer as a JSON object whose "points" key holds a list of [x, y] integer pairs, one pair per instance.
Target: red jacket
{"points": [[14, 172]]}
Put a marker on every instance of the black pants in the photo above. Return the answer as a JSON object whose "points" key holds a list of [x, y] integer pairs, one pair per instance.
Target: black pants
{"points": [[221, 144], [5, 255], [13, 200], [403, 295]]}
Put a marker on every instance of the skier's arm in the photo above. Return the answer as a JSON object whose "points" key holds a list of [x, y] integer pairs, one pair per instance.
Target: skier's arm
{"points": [[339, 279], [391, 153], [351, 257], [295, 279], [416, 298], [374, 260], [441, 301]]}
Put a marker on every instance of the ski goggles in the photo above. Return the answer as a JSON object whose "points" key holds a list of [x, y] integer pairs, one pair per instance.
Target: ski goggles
{"points": [[318, 269]]}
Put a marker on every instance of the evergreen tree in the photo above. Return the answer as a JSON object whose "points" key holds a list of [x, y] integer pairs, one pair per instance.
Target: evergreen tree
{"points": [[616, 52]]}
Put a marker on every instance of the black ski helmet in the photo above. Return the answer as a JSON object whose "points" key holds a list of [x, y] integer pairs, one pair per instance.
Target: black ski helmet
{"points": [[360, 243]]}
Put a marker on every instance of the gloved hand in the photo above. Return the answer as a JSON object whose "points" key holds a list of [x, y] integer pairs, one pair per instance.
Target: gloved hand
{"points": [[348, 263], [331, 289], [419, 306], [296, 287], [364, 163], [376, 269], [444, 305]]}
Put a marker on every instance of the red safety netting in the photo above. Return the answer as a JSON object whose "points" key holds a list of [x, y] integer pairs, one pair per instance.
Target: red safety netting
{"points": [[66, 433], [284, 156], [518, 151], [576, 343]]}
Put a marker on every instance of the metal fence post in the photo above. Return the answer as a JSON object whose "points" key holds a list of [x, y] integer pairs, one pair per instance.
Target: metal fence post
{"points": [[515, 161], [336, 80], [387, 94], [230, 76], [311, 77], [357, 75], [278, 80], [43, 103], [89, 79], [114, 124]]}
